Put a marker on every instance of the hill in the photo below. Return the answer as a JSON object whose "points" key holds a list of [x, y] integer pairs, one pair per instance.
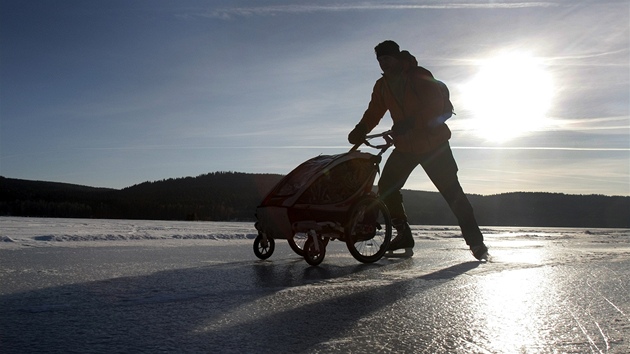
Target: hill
{"points": [[223, 196], [213, 196], [525, 209]]}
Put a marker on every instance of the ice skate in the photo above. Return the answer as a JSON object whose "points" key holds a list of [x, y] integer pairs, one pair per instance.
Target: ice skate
{"points": [[402, 245], [480, 252], [406, 253]]}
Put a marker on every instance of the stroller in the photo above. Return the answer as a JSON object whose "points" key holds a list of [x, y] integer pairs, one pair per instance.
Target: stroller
{"points": [[328, 197]]}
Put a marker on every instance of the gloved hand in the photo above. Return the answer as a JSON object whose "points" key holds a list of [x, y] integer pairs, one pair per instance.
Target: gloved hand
{"points": [[402, 127], [357, 135]]}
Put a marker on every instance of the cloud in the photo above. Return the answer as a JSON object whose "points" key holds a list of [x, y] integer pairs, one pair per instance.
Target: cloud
{"points": [[228, 13], [614, 125], [607, 58]]}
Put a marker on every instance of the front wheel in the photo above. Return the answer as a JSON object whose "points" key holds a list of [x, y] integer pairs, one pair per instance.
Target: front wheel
{"points": [[369, 230], [264, 246], [297, 242], [314, 250]]}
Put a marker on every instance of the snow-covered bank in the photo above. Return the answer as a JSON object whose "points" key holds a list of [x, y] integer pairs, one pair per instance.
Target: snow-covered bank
{"points": [[29, 232], [16, 231]]}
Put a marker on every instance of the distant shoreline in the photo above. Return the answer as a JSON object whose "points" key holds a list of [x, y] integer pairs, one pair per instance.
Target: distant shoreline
{"points": [[232, 196]]}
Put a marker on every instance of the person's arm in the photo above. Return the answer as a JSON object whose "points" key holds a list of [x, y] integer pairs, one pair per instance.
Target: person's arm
{"points": [[375, 111], [376, 108]]}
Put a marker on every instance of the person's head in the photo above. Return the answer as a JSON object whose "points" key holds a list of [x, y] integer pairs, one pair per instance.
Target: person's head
{"points": [[387, 48], [387, 53]]}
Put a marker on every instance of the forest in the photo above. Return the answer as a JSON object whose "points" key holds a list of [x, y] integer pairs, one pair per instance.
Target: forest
{"points": [[234, 196]]}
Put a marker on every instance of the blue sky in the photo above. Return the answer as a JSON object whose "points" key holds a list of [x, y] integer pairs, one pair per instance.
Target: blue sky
{"points": [[115, 93]]}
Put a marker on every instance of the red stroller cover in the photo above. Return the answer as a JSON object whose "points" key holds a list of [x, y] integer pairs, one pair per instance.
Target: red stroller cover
{"points": [[337, 178]]}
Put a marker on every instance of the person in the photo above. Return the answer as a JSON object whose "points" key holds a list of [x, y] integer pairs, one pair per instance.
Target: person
{"points": [[414, 100]]}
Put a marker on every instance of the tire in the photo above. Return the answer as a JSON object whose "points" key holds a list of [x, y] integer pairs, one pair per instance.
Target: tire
{"points": [[369, 230], [297, 242], [311, 254], [262, 249]]}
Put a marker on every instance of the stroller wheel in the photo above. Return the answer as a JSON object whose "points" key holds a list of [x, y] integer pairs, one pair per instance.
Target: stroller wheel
{"points": [[314, 250], [297, 242], [263, 248], [369, 230]]}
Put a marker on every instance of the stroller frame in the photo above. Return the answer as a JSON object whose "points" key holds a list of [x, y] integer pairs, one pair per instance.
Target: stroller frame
{"points": [[328, 197]]}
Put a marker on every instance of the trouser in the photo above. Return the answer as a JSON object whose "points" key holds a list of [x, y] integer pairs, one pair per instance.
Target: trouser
{"points": [[441, 168]]}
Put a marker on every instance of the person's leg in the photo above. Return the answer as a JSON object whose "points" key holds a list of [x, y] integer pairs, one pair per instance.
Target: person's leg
{"points": [[395, 173], [442, 169], [457, 200], [393, 177]]}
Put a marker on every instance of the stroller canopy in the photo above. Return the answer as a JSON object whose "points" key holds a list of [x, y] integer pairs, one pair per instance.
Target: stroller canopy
{"points": [[326, 179]]}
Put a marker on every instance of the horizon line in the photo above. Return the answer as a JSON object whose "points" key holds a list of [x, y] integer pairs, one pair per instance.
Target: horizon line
{"points": [[280, 174]]}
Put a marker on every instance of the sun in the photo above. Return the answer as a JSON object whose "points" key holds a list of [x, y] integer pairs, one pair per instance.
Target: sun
{"points": [[509, 97]]}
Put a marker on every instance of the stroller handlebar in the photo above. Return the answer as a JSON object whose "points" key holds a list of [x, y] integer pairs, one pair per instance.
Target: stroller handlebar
{"points": [[386, 135]]}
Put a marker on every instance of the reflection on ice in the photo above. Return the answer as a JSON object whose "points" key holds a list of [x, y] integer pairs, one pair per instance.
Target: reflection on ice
{"points": [[520, 252], [545, 290], [513, 308]]}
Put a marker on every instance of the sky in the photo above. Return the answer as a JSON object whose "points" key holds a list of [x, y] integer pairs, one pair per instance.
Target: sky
{"points": [[115, 93]]}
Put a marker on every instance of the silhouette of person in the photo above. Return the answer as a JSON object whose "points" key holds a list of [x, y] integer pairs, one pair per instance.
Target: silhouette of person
{"points": [[414, 100]]}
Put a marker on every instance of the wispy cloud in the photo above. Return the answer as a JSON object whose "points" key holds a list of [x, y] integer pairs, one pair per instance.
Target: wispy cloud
{"points": [[605, 58], [227, 13], [615, 125]]}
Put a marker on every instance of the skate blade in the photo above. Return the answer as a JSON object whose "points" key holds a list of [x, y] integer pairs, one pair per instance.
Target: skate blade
{"points": [[408, 252], [484, 258]]}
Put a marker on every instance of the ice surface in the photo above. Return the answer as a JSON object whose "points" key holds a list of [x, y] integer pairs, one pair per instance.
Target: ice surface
{"points": [[74, 285]]}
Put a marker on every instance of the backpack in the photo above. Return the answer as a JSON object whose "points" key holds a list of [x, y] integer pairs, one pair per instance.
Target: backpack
{"points": [[448, 109]]}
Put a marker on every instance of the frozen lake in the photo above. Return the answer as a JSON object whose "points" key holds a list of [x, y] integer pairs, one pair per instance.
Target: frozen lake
{"points": [[76, 285]]}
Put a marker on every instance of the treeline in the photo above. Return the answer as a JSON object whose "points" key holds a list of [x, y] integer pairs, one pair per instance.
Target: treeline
{"points": [[525, 209], [212, 197], [232, 196]]}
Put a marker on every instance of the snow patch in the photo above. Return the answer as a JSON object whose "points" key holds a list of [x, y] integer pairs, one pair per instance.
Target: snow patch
{"points": [[20, 232]]}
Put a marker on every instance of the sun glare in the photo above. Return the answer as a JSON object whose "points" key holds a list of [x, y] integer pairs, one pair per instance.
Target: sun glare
{"points": [[509, 97]]}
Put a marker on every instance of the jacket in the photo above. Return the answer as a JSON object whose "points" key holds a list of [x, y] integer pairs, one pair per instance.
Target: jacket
{"points": [[418, 108]]}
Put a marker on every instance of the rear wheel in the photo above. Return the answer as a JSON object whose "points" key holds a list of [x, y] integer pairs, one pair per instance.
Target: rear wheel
{"points": [[369, 230], [314, 250], [263, 248]]}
